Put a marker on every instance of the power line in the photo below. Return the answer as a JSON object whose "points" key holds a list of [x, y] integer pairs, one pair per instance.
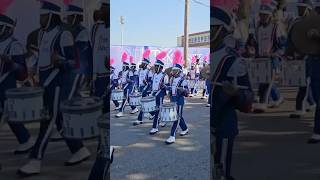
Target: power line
{"points": [[200, 3]]}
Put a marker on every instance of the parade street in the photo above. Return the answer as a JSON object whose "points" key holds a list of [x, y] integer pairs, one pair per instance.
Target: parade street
{"points": [[140, 156], [270, 146]]}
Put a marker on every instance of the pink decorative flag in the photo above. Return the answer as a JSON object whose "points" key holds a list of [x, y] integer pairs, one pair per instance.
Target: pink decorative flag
{"points": [[206, 58], [146, 54], [131, 59], [194, 59], [230, 5], [124, 57], [161, 55], [177, 57], [4, 5], [111, 61]]}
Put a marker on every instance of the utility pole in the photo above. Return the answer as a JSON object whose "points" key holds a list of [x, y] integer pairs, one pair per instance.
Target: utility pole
{"points": [[186, 33], [122, 29]]}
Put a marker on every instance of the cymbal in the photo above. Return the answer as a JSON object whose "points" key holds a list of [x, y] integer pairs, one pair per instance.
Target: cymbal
{"points": [[305, 35]]}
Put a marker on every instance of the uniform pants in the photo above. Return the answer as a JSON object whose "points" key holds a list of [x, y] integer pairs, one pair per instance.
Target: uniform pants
{"points": [[159, 101], [180, 121], [315, 87], [301, 95], [52, 96], [126, 92], [223, 153]]}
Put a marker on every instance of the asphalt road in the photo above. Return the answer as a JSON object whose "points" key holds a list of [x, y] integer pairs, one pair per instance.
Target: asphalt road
{"points": [[140, 156], [270, 146]]}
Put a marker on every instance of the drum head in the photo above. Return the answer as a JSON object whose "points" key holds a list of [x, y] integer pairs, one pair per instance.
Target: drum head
{"points": [[148, 99], [168, 105], [82, 105], [24, 92]]}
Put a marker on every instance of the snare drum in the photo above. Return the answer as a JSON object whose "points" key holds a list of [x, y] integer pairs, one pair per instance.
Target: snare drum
{"points": [[25, 104], [134, 99], [168, 112], [148, 104], [117, 95], [191, 83], [80, 117], [104, 128]]}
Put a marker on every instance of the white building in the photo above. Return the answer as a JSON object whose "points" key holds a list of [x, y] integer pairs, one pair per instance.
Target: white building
{"points": [[199, 39]]}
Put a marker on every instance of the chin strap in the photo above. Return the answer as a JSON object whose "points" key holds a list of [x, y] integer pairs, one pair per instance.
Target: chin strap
{"points": [[49, 22]]}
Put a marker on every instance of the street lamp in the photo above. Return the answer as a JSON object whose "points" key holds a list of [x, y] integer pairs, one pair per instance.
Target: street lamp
{"points": [[122, 29]]}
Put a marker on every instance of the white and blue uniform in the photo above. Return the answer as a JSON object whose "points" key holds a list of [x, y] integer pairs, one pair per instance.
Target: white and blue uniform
{"points": [[271, 42], [158, 89], [227, 66], [178, 90], [114, 83], [10, 73], [101, 49], [55, 42], [127, 83]]}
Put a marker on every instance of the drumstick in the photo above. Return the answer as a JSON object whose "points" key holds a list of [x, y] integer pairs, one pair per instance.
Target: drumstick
{"points": [[75, 82], [51, 77], [2, 78]]}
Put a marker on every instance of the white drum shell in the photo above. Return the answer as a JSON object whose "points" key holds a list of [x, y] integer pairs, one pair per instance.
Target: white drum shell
{"points": [[168, 113], [25, 108], [117, 95], [135, 100], [81, 121], [148, 104]]}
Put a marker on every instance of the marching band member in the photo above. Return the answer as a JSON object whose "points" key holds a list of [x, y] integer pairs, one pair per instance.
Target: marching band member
{"points": [[114, 82], [56, 61], [159, 82], [145, 80], [270, 40], [80, 34], [178, 90], [228, 71], [192, 80], [127, 84], [101, 50], [304, 9], [12, 69], [100, 169], [313, 68], [134, 77]]}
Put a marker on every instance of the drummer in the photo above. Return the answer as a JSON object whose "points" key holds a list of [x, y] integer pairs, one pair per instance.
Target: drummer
{"points": [[134, 77], [304, 9], [12, 69], [227, 65], [56, 61], [83, 70], [159, 81], [178, 90], [114, 79], [271, 41], [145, 78], [127, 84]]}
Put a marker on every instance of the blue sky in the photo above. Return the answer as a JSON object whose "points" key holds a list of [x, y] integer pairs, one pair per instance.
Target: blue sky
{"points": [[155, 22]]}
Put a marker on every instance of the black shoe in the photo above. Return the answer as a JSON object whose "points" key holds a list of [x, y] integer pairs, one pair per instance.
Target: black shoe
{"points": [[136, 123], [25, 175], [16, 152]]}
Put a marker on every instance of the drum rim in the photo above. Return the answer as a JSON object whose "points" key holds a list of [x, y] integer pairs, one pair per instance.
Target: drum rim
{"points": [[148, 99], [66, 108], [12, 94]]}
